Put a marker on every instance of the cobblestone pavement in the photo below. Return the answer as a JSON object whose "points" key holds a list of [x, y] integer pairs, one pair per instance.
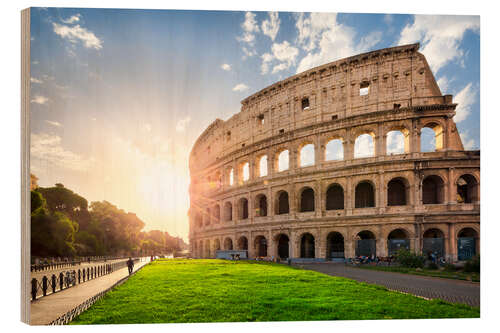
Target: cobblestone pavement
{"points": [[454, 291]]}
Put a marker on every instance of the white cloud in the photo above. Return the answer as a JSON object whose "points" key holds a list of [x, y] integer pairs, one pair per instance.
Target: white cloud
{"points": [[370, 40], [469, 143], [35, 62], [182, 123], [271, 26], [77, 33], [443, 84], [440, 36], [327, 40], [38, 99], [48, 149], [240, 87], [310, 28], [72, 19], [226, 67], [53, 123], [35, 80], [250, 28], [279, 68], [465, 98], [283, 53]]}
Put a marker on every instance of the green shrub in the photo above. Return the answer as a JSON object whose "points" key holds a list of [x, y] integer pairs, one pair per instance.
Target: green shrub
{"points": [[409, 259], [432, 265], [472, 265], [450, 267]]}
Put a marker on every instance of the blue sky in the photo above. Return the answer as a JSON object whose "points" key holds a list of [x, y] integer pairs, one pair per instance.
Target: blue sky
{"points": [[120, 96]]}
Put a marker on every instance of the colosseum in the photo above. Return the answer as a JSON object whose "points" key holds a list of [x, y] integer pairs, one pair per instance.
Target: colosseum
{"points": [[283, 178]]}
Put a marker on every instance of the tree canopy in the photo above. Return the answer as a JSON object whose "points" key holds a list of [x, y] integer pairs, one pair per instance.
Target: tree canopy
{"points": [[64, 224]]}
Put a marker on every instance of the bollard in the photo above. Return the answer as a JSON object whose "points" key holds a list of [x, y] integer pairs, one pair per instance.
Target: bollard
{"points": [[83, 274], [79, 276], [44, 285], [34, 285], [53, 284], [73, 277]]}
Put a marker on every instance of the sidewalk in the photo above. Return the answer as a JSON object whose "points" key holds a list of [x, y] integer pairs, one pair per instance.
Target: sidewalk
{"points": [[48, 308]]}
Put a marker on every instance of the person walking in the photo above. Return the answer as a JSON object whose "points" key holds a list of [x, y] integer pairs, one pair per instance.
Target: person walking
{"points": [[130, 265]]}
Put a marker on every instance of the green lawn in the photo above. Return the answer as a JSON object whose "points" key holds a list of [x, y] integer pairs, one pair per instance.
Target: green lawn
{"points": [[229, 291], [456, 275]]}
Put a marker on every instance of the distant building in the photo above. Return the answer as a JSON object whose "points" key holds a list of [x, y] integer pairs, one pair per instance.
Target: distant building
{"points": [[339, 205]]}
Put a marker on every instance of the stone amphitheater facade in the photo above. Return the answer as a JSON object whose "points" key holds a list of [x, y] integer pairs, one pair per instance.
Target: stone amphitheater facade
{"points": [[243, 198]]}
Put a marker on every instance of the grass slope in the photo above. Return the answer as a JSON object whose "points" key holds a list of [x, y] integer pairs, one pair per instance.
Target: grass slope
{"points": [[184, 291]]}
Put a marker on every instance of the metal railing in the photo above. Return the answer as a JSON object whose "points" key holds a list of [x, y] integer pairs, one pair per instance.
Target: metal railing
{"points": [[63, 264], [70, 315], [47, 284]]}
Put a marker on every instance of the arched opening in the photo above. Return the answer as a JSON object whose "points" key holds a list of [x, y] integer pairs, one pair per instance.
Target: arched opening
{"points": [[282, 206], [243, 208], [397, 239], [397, 142], [216, 212], [207, 249], [363, 146], [307, 200], [334, 150], [283, 246], [263, 166], [334, 245], [467, 189], [243, 243], [217, 179], [366, 244], [207, 217], [431, 137], [231, 177], [283, 161], [245, 171], [433, 242], [228, 244], [260, 246], [334, 197], [432, 190], [216, 244], [397, 190], [261, 205], [198, 220], [307, 246], [228, 211], [306, 155], [467, 244], [365, 195]]}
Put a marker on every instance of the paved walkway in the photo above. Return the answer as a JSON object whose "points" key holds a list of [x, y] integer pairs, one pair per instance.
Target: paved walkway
{"points": [[49, 308], [454, 291]]}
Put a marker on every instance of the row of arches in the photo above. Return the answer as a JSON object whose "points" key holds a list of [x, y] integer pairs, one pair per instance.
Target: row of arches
{"points": [[365, 242], [397, 141], [398, 194]]}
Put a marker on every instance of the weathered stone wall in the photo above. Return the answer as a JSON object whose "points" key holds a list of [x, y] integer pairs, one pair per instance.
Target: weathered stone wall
{"points": [[402, 95]]}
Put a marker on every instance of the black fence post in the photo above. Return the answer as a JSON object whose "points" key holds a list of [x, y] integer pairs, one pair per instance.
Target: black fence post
{"points": [[44, 285], [83, 274], [53, 283], [79, 275], [34, 287], [73, 277]]}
